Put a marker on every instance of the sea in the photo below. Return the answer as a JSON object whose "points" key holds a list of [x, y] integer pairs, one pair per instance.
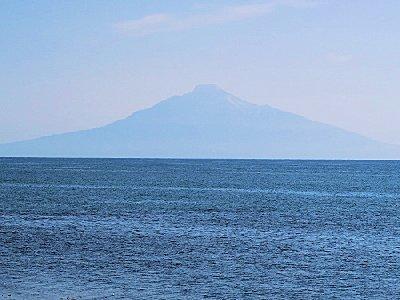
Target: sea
{"points": [[199, 229]]}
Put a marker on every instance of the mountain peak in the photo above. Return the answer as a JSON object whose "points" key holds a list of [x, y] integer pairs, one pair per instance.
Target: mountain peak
{"points": [[213, 95]]}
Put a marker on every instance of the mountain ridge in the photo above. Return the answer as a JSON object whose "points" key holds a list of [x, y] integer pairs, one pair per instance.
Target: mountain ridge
{"points": [[208, 123]]}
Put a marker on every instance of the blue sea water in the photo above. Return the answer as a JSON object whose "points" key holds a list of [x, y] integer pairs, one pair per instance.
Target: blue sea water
{"points": [[197, 229]]}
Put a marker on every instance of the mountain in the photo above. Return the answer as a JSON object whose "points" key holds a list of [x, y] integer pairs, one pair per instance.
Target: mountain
{"points": [[208, 123]]}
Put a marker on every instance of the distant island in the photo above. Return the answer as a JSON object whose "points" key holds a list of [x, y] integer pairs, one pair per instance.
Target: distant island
{"points": [[208, 123]]}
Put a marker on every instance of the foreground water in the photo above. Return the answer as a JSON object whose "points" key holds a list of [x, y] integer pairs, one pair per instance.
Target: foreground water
{"points": [[194, 229]]}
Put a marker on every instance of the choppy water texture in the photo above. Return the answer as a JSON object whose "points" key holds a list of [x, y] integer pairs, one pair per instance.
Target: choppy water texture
{"points": [[194, 229]]}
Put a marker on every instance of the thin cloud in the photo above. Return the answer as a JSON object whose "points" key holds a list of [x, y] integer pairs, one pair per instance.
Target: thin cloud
{"points": [[167, 22]]}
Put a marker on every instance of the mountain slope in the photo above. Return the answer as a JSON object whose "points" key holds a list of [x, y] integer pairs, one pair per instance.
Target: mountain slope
{"points": [[207, 122]]}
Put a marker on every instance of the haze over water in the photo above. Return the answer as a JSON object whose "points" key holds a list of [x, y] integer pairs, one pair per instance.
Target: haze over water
{"points": [[194, 229]]}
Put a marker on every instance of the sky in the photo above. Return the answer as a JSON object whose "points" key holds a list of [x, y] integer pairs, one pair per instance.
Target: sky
{"points": [[71, 65]]}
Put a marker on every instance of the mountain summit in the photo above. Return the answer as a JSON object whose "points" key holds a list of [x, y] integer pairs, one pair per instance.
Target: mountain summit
{"points": [[208, 123]]}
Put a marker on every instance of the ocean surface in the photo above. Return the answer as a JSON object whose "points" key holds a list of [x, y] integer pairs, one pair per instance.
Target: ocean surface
{"points": [[199, 229]]}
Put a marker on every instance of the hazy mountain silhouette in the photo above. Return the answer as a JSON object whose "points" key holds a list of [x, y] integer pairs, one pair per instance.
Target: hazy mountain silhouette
{"points": [[205, 123]]}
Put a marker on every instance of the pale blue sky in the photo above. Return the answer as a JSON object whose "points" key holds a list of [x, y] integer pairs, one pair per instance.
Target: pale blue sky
{"points": [[68, 65]]}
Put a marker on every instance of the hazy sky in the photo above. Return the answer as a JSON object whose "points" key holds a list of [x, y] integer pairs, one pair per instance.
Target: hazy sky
{"points": [[68, 65]]}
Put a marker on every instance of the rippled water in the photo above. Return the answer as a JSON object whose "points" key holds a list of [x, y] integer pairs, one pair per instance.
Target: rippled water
{"points": [[194, 229]]}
